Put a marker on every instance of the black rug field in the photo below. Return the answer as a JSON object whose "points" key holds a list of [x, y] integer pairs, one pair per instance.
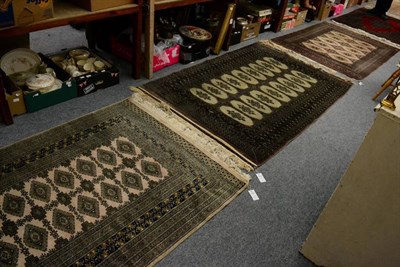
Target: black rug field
{"points": [[113, 188], [253, 100]]}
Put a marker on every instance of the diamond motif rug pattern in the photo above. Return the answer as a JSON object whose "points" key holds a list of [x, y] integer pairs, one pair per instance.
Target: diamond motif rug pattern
{"points": [[345, 51], [113, 187], [361, 19], [253, 100]]}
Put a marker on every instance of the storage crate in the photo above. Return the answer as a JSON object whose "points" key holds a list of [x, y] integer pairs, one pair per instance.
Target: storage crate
{"points": [[35, 101], [92, 81]]}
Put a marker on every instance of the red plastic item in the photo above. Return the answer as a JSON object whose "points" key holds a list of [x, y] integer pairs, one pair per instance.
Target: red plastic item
{"points": [[337, 9]]}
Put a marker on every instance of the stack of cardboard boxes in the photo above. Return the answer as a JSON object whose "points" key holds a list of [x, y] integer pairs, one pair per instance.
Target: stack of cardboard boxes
{"points": [[22, 12]]}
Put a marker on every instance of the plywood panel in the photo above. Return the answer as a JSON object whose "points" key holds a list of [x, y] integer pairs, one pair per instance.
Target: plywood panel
{"points": [[360, 225]]}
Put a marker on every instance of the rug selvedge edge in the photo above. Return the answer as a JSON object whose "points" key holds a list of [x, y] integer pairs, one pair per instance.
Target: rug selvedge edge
{"points": [[163, 113]]}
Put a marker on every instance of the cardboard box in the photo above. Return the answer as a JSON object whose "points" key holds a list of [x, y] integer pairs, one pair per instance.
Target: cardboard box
{"points": [[35, 101], [288, 24], [16, 102], [265, 23], [94, 5], [7, 17], [300, 17], [169, 57], [30, 11], [14, 96], [324, 11], [250, 31]]}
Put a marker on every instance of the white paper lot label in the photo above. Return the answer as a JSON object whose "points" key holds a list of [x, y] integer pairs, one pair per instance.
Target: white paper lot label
{"points": [[253, 195], [260, 177]]}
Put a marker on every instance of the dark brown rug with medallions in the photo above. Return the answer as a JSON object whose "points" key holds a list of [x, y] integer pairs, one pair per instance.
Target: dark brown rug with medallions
{"points": [[361, 19], [253, 100], [115, 188], [348, 52]]}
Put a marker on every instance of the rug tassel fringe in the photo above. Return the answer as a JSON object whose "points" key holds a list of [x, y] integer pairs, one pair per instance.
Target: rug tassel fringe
{"points": [[189, 132]]}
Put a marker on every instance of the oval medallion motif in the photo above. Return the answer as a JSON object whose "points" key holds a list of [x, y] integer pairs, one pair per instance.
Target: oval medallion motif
{"points": [[214, 91], [244, 77], [269, 66], [283, 89], [224, 86], [303, 76], [253, 73], [236, 115], [291, 85], [234, 81], [247, 110], [255, 104], [203, 95], [274, 93], [276, 63], [261, 70], [298, 81], [266, 99]]}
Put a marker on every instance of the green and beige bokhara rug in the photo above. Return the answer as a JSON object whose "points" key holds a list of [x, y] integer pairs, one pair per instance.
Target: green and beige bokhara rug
{"points": [[346, 51], [113, 188], [253, 100]]}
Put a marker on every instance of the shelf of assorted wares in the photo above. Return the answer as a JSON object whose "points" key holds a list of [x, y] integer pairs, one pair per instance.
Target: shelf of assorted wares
{"points": [[66, 12]]}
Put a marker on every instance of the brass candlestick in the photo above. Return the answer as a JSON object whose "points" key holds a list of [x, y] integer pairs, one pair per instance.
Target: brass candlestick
{"points": [[389, 100]]}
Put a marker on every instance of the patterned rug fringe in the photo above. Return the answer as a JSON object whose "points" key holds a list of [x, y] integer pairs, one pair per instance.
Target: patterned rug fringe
{"points": [[163, 113], [362, 32], [307, 60]]}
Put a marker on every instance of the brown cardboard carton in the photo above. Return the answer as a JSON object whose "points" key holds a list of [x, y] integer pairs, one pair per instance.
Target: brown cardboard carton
{"points": [[13, 95], [16, 102], [250, 31], [300, 17], [94, 5], [30, 11]]}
